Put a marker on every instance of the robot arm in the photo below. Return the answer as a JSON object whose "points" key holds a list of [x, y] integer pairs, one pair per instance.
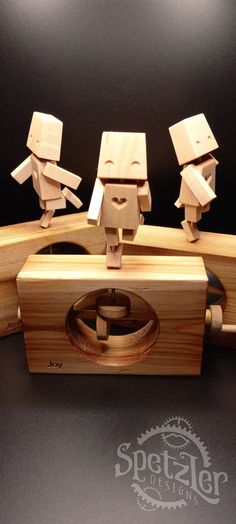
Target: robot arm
{"points": [[144, 196], [23, 171], [59, 174], [198, 185], [95, 205]]}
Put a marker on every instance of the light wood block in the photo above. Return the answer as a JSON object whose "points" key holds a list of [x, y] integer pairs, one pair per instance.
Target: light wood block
{"points": [[198, 185], [192, 138], [191, 231], [45, 188], [73, 199], [114, 256], [186, 196], [178, 203], [95, 205], [46, 218], [123, 156], [113, 305], [218, 252], [128, 234], [192, 213], [45, 135], [208, 171], [102, 328], [172, 290], [144, 196], [120, 206], [112, 236], [55, 203], [61, 175], [23, 171], [18, 241]]}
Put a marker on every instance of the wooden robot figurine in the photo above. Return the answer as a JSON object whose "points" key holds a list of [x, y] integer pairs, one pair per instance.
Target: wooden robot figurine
{"points": [[121, 190], [193, 140], [44, 141]]}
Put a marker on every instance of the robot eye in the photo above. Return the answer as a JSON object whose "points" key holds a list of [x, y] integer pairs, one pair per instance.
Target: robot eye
{"points": [[109, 163], [135, 163]]}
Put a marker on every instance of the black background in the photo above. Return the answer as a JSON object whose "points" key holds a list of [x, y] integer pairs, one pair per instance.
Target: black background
{"points": [[138, 65], [60, 433], [126, 66]]}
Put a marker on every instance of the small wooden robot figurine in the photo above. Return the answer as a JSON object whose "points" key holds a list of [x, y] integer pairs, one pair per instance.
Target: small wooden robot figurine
{"points": [[193, 140], [121, 190], [44, 140]]}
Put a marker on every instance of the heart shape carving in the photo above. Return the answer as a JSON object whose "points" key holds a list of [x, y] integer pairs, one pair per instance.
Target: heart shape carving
{"points": [[119, 202]]}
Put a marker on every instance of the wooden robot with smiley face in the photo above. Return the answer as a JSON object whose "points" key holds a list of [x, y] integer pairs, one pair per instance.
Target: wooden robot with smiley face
{"points": [[44, 142], [121, 190], [193, 141]]}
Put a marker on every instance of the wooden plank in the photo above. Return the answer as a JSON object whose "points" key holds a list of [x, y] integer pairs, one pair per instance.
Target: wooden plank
{"points": [[18, 241]]}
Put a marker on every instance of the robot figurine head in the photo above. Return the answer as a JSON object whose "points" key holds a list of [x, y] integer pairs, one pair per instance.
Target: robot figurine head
{"points": [[45, 135], [123, 156], [192, 138]]}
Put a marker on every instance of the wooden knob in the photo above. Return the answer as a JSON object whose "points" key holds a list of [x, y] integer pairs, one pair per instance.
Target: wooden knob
{"points": [[214, 319]]}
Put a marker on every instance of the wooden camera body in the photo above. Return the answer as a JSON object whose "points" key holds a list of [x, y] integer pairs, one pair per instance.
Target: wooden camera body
{"points": [[161, 334]]}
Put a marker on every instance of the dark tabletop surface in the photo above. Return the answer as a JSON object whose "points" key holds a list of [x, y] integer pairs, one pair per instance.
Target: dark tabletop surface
{"points": [[62, 458]]}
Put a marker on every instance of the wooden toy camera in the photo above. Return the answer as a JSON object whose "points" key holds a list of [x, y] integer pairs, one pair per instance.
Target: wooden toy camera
{"points": [[143, 313], [146, 318]]}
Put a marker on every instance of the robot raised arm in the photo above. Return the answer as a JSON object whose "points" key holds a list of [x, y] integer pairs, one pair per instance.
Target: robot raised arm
{"points": [[23, 171], [198, 185]]}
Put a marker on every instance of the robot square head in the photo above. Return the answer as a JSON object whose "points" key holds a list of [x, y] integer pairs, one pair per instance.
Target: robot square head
{"points": [[45, 134], [123, 156], [192, 138]]}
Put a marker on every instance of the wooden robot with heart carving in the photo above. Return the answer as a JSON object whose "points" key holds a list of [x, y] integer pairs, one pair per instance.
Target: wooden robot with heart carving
{"points": [[121, 190]]}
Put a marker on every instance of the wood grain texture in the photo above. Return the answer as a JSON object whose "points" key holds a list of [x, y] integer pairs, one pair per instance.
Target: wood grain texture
{"points": [[23, 171], [61, 175], [120, 207], [218, 252], [173, 288], [95, 205], [122, 156], [18, 241], [197, 184], [73, 199]]}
